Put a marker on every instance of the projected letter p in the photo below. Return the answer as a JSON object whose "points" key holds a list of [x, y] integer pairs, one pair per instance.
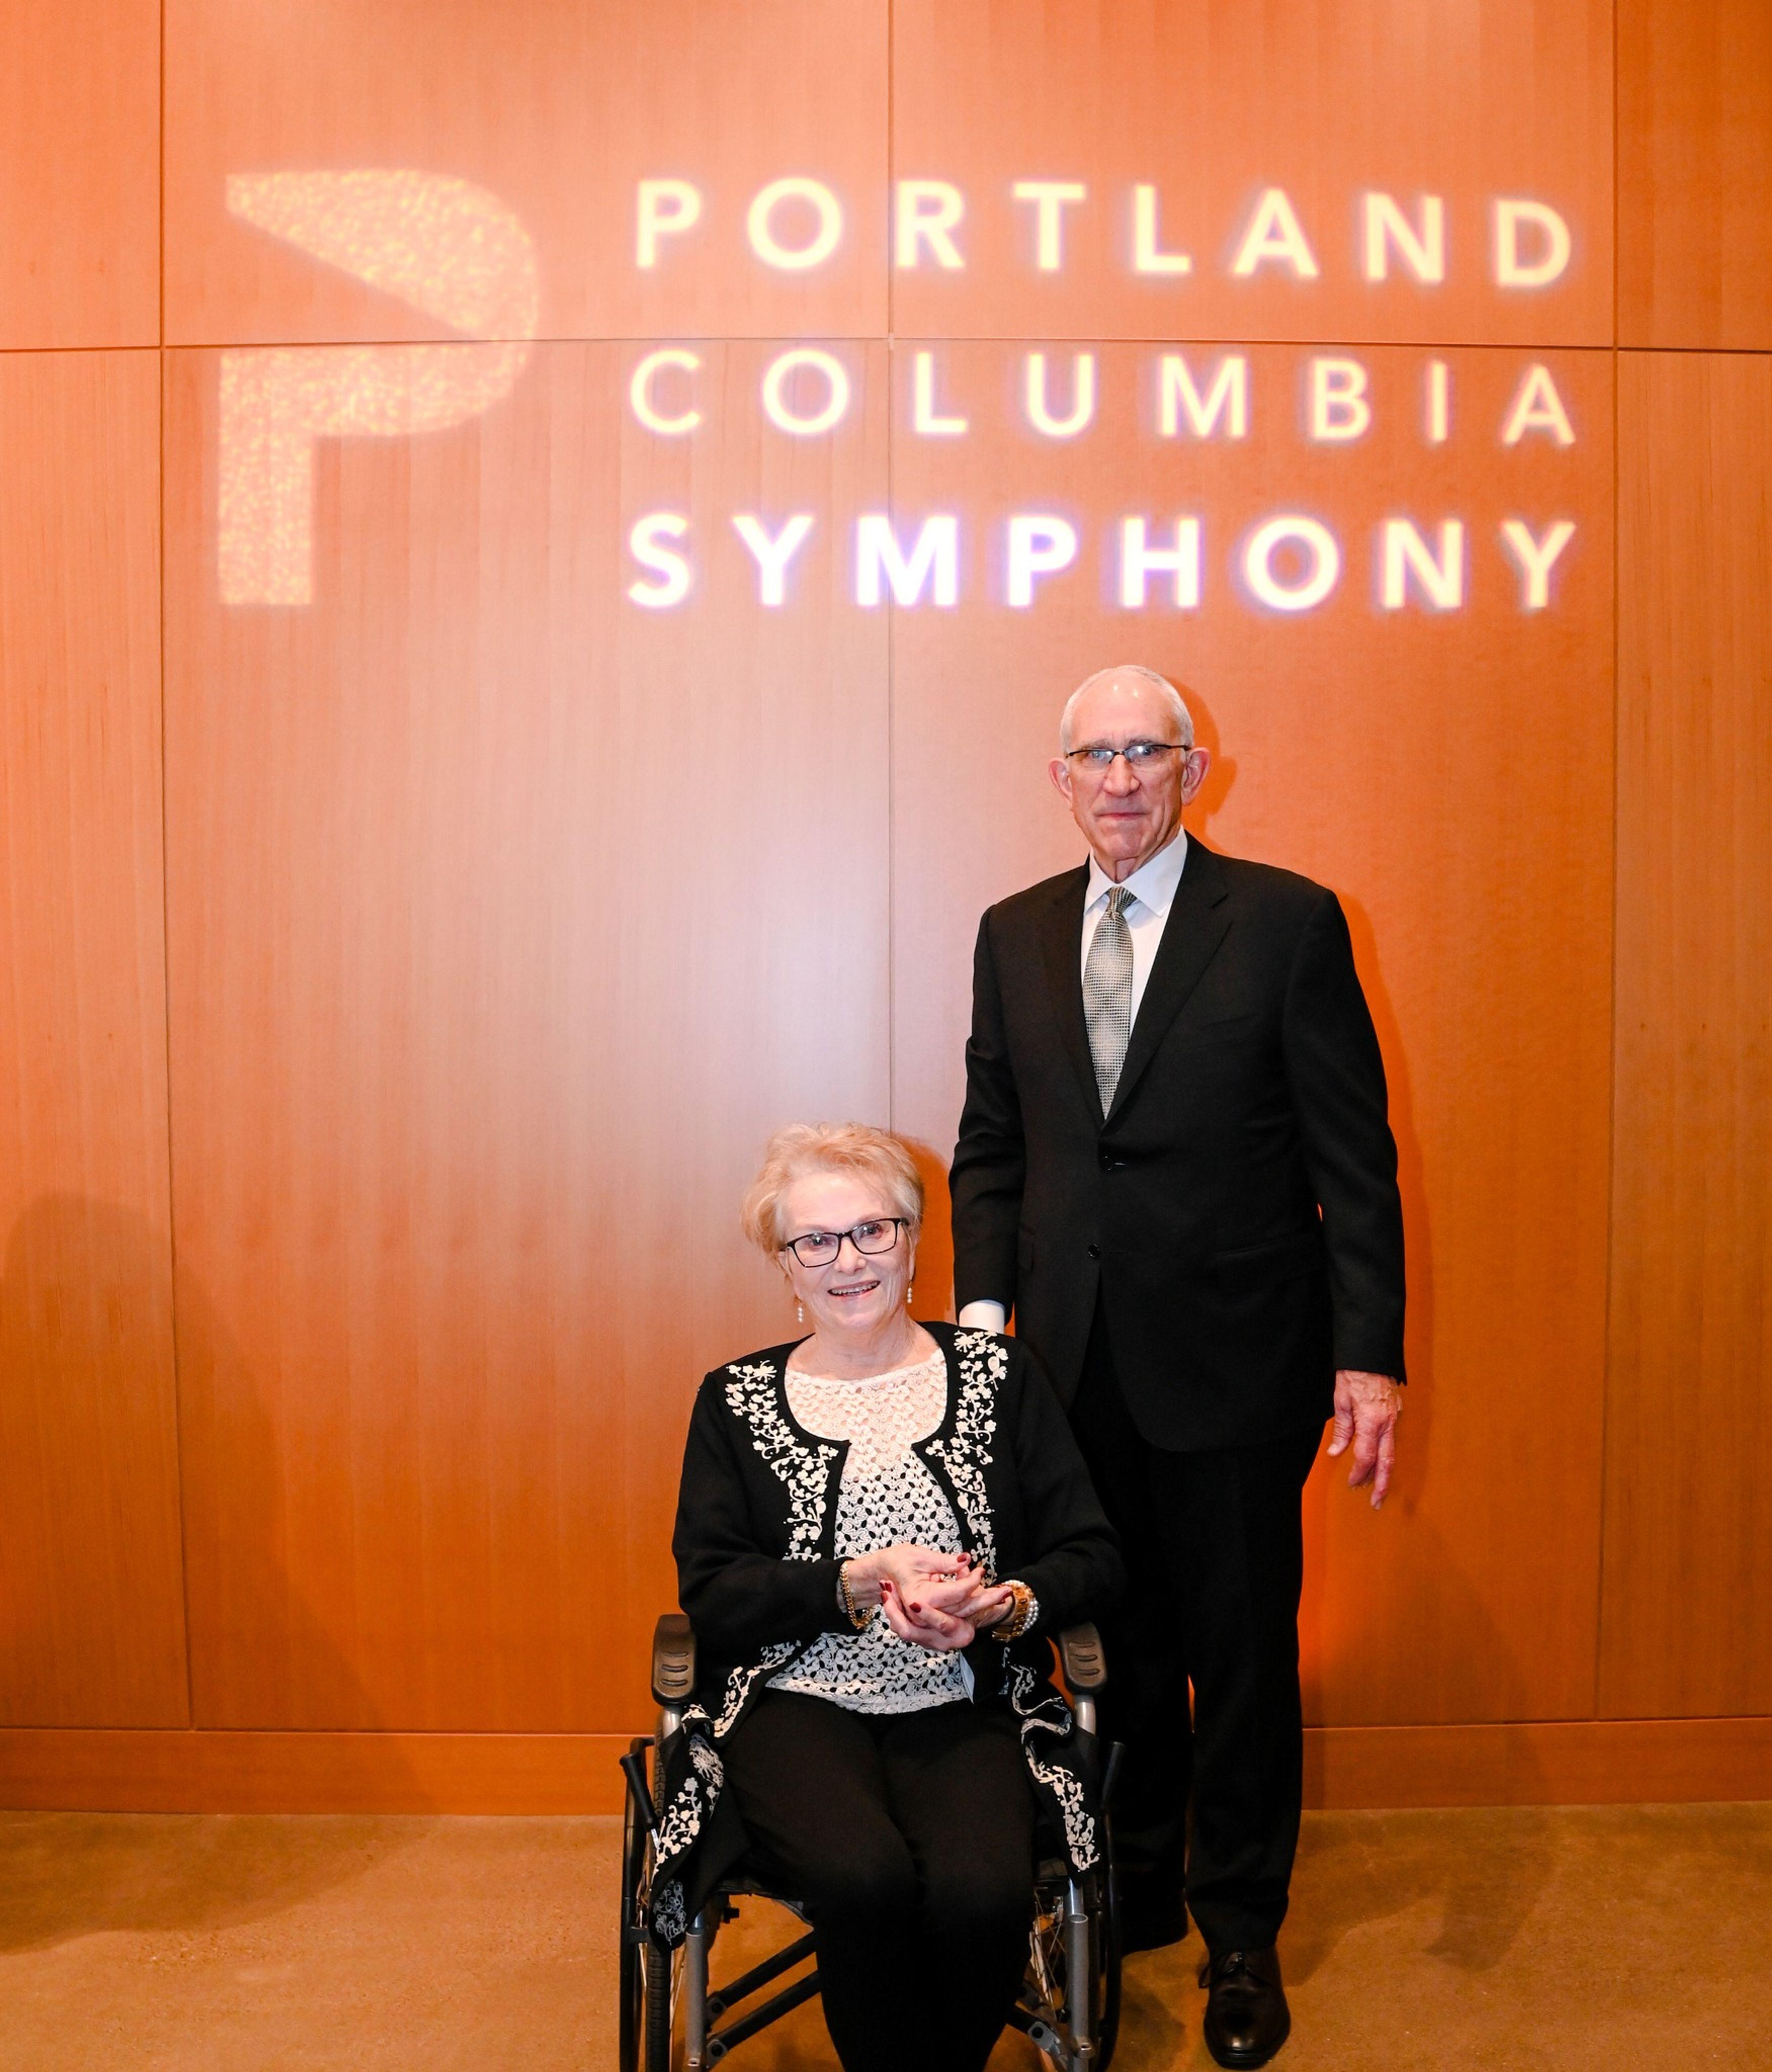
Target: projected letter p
{"points": [[1039, 545], [446, 247]]}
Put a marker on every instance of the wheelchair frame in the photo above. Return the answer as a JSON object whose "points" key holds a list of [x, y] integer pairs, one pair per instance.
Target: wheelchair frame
{"points": [[665, 1997]]}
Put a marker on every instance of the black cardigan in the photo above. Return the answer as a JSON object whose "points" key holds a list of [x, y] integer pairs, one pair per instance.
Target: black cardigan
{"points": [[756, 1521]]}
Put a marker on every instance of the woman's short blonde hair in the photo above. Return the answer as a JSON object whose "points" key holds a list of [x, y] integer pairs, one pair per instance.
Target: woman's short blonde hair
{"points": [[829, 1147]]}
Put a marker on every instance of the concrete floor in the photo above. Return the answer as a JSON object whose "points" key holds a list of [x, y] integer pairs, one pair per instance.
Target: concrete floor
{"points": [[1612, 1937]]}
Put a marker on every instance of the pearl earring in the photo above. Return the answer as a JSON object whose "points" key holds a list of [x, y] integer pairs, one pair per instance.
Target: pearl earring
{"points": [[910, 1290], [800, 1311]]}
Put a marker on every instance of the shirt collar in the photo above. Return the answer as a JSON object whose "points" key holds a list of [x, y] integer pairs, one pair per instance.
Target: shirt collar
{"points": [[1153, 884]]}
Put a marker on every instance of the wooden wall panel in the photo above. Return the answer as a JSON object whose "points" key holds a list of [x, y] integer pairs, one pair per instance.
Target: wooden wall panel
{"points": [[554, 111], [506, 919], [92, 1630], [1695, 171], [1212, 103], [1687, 1616], [80, 173], [1450, 774]]}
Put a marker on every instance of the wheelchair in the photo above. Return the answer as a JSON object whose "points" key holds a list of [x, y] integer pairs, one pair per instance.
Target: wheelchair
{"points": [[673, 2018]]}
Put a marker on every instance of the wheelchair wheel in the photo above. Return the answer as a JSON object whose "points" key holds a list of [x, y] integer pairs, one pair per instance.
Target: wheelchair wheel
{"points": [[631, 1987], [647, 1976], [662, 1968], [1105, 1941]]}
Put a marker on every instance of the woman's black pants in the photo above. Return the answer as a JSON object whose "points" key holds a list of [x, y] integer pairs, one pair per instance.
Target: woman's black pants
{"points": [[910, 1837]]}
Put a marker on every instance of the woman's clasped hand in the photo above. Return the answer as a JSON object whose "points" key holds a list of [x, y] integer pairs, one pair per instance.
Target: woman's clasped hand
{"points": [[939, 1601]]}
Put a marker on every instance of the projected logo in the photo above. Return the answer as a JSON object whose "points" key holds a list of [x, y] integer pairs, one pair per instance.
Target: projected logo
{"points": [[446, 247], [460, 256]]}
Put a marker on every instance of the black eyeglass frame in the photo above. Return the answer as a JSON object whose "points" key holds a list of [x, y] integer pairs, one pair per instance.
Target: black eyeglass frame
{"points": [[866, 1252]]}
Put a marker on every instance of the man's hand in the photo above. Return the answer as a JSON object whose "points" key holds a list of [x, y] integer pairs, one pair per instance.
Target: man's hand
{"points": [[1367, 1406]]}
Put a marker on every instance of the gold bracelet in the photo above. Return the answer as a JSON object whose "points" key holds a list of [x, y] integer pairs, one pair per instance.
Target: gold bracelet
{"points": [[1021, 1615], [857, 1618]]}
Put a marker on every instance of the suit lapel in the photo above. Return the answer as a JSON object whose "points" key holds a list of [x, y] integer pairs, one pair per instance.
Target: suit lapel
{"points": [[1060, 943], [1199, 915]]}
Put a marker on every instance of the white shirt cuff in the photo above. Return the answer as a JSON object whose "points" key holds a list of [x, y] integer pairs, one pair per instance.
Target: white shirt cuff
{"points": [[983, 1317]]}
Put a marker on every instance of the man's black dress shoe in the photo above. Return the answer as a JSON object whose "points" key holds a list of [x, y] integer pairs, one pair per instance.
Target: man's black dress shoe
{"points": [[1247, 2018]]}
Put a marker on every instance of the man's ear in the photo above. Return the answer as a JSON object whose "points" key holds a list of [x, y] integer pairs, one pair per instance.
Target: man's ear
{"points": [[1059, 771], [1199, 763]]}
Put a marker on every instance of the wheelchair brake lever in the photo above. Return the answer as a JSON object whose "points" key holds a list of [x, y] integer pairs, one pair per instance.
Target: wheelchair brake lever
{"points": [[633, 1768]]}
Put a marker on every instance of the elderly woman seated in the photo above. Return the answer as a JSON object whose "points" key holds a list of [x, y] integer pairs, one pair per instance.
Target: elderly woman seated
{"points": [[878, 1522]]}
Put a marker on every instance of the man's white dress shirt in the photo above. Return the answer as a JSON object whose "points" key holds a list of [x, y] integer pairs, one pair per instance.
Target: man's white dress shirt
{"points": [[1152, 886]]}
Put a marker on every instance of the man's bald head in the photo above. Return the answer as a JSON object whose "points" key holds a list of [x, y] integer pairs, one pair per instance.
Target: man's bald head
{"points": [[1156, 692]]}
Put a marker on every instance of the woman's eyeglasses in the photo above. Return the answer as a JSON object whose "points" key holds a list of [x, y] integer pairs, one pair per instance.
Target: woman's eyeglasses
{"points": [[819, 1248]]}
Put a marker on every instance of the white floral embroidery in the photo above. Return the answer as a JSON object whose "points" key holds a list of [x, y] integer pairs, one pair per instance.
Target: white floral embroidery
{"points": [[679, 1829], [1080, 1843], [669, 1914], [737, 1693], [804, 1471], [682, 1820], [983, 1361], [1051, 1717]]}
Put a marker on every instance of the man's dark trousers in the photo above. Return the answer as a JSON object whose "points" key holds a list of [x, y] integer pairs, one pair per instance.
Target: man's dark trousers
{"points": [[1214, 1549]]}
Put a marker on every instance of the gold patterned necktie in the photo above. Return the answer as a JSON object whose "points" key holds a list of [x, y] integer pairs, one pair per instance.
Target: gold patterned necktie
{"points": [[1107, 994]]}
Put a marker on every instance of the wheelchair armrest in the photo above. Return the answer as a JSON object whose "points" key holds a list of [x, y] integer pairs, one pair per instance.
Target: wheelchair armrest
{"points": [[1085, 1664], [672, 1660]]}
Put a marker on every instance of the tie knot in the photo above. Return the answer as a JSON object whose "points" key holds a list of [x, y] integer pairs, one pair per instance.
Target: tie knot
{"points": [[1117, 900]]}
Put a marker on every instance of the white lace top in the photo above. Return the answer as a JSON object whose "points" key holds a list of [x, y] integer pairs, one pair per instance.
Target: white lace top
{"points": [[887, 1495]]}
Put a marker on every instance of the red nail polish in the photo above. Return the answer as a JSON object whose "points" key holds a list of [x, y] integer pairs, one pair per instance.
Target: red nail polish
{"points": [[916, 1607]]}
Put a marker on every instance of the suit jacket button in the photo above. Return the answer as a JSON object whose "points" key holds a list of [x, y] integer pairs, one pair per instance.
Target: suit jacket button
{"points": [[1094, 1251]]}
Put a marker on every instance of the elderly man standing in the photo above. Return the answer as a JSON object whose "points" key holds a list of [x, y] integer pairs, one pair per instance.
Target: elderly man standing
{"points": [[1175, 1167]]}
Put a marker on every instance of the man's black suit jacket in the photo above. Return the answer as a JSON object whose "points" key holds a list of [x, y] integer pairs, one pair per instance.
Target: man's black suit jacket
{"points": [[1237, 1209]]}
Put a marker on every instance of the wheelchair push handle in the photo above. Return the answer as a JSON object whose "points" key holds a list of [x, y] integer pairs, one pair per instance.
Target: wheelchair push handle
{"points": [[1085, 1664], [672, 1661]]}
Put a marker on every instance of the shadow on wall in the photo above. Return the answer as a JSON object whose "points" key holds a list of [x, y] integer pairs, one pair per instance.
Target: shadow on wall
{"points": [[1358, 1866], [1417, 1233], [91, 1591], [1211, 796], [261, 1656], [1413, 1463], [1415, 1446], [67, 1875], [250, 1635], [1460, 1889]]}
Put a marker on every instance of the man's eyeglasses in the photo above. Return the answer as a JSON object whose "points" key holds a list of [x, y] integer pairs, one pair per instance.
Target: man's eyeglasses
{"points": [[820, 1248], [1139, 755]]}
